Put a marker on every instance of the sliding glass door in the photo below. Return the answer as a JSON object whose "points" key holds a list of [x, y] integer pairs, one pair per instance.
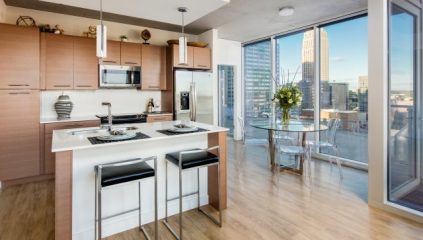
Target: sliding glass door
{"points": [[404, 113]]}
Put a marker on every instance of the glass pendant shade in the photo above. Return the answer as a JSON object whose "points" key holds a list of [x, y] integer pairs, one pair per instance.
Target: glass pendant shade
{"points": [[183, 51], [101, 41]]}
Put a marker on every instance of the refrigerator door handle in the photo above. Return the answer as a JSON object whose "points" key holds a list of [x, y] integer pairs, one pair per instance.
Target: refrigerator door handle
{"points": [[194, 115], [191, 102]]}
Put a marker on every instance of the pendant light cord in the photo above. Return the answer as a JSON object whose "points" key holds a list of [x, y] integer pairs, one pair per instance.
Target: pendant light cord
{"points": [[102, 27]]}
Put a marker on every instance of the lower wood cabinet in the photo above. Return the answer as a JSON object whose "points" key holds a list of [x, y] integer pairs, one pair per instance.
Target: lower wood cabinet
{"points": [[49, 157], [20, 134], [159, 118]]}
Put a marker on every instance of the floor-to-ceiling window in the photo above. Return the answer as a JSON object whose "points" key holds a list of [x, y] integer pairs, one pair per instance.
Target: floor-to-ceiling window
{"points": [[257, 86], [295, 63], [344, 84], [404, 114]]}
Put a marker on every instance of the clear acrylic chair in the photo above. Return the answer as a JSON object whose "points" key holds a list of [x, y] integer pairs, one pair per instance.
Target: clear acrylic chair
{"points": [[292, 148], [329, 143]]}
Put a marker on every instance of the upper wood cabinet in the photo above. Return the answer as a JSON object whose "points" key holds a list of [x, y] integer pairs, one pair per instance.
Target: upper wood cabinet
{"points": [[113, 53], [68, 62], [85, 66], [153, 67], [202, 58], [198, 58], [130, 54], [58, 61], [20, 134], [20, 50], [175, 52]]}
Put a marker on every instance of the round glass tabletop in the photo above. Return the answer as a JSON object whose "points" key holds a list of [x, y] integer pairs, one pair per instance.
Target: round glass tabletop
{"points": [[292, 126]]}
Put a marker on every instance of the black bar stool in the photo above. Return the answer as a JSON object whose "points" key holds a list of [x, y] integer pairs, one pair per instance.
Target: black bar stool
{"points": [[119, 173], [191, 160]]}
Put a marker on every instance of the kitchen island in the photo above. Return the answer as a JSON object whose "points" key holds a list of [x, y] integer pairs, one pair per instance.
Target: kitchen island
{"points": [[76, 157]]}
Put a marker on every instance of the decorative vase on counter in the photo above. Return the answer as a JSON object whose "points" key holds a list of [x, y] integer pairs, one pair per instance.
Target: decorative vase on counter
{"points": [[63, 107]]}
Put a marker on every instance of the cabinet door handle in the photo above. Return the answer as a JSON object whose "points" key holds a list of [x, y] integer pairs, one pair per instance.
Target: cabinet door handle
{"points": [[198, 65], [61, 85], [109, 61], [17, 93], [153, 86], [133, 63], [18, 85], [84, 85]]}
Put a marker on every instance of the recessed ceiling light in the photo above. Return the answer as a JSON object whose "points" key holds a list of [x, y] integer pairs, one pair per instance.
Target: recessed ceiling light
{"points": [[286, 11]]}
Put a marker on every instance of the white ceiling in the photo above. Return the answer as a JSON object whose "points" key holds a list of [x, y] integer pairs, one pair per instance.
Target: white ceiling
{"points": [[244, 20], [156, 10]]}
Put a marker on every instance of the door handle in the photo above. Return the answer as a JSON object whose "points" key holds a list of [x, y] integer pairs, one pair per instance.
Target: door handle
{"points": [[191, 102], [17, 93], [18, 85]]}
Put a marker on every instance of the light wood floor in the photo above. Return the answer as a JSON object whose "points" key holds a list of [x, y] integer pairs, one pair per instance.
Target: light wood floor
{"points": [[261, 205]]}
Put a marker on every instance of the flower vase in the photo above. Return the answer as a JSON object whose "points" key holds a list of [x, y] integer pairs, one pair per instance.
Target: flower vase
{"points": [[285, 115]]}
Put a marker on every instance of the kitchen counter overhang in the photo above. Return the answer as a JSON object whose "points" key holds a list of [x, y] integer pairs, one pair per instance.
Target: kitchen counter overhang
{"points": [[76, 156]]}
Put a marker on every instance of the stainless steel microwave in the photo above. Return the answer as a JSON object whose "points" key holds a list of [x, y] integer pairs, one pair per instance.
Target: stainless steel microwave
{"points": [[116, 76]]}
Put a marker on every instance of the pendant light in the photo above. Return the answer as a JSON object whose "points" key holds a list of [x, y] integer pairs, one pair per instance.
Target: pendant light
{"points": [[101, 36], [183, 51]]}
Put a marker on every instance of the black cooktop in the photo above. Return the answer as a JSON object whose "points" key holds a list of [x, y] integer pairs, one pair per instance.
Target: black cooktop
{"points": [[139, 135], [124, 118]]}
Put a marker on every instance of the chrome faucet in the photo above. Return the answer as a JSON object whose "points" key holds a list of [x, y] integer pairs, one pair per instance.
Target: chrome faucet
{"points": [[109, 115]]}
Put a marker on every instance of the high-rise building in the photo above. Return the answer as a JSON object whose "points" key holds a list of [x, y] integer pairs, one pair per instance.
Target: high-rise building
{"points": [[307, 84], [257, 77], [363, 93], [338, 93]]}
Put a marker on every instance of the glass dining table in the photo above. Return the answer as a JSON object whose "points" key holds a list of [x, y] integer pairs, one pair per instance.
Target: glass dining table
{"points": [[301, 127]]}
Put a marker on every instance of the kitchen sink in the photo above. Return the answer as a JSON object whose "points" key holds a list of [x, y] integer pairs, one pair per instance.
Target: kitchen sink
{"points": [[99, 130]]}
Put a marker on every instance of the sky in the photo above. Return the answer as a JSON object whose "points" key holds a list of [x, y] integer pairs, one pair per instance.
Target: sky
{"points": [[348, 51]]}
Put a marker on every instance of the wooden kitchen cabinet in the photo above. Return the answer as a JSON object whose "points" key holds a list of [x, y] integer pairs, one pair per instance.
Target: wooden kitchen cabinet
{"points": [[58, 61], [113, 53], [153, 72], [20, 50], [85, 64], [175, 53], [202, 58], [130, 54], [159, 118], [49, 157], [20, 134]]}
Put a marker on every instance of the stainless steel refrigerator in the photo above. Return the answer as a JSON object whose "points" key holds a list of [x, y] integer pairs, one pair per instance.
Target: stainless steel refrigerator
{"points": [[193, 96]]}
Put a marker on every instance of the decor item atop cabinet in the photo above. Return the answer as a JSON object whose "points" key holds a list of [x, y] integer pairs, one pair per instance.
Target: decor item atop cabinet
{"points": [[146, 35], [57, 30], [92, 32], [63, 107], [25, 21], [198, 44], [123, 38]]}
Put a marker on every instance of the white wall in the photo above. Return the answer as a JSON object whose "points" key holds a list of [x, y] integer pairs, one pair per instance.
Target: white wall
{"points": [[2, 11], [225, 52], [88, 103], [230, 53]]}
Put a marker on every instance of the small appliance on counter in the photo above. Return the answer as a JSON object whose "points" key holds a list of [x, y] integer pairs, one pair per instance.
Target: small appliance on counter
{"points": [[63, 107]]}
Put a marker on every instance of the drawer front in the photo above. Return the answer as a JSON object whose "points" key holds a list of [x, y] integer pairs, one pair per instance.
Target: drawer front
{"points": [[159, 118], [49, 127]]}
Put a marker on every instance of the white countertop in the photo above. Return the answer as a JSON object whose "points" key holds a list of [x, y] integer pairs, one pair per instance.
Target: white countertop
{"points": [[44, 120], [63, 140]]}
